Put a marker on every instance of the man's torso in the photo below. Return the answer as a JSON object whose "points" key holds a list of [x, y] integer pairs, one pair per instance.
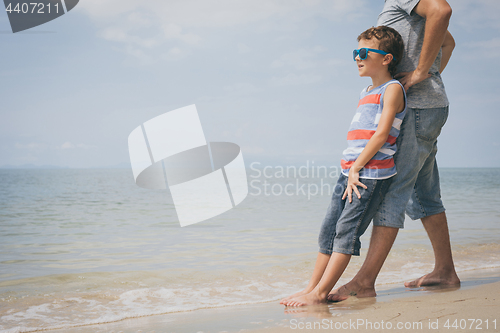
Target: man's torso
{"points": [[398, 14]]}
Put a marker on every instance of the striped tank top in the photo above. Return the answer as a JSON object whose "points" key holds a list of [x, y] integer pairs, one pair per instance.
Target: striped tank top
{"points": [[363, 126]]}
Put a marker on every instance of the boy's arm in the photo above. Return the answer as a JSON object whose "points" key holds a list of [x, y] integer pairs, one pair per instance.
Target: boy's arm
{"points": [[437, 15], [393, 103], [448, 46]]}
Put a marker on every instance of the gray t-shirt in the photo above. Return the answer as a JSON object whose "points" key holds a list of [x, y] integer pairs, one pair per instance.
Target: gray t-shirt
{"points": [[398, 14]]}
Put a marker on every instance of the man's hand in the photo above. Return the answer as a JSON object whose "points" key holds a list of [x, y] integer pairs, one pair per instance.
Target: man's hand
{"points": [[352, 185], [437, 15], [409, 79]]}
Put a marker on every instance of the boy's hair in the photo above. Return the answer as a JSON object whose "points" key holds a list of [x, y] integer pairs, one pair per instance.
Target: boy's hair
{"points": [[390, 42]]}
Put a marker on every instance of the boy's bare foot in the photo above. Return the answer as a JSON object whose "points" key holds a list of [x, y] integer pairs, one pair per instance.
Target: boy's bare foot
{"points": [[308, 299], [297, 294], [435, 279], [351, 289]]}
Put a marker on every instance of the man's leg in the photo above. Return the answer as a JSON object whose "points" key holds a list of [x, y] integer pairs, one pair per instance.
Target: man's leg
{"points": [[363, 284], [425, 204], [444, 269]]}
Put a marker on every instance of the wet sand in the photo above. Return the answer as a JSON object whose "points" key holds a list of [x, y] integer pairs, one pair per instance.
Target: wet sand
{"points": [[475, 306]]}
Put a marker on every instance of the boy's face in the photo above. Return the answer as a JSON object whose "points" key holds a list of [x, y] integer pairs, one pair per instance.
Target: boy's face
{"points": [[373, 64]]}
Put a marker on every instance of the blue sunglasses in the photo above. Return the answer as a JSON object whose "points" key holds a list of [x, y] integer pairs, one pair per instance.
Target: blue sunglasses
{"points": [[363, 53]]}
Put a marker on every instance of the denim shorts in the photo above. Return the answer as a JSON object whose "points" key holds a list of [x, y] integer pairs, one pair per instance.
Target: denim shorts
{"points": [[415, 189], [345, 222]]}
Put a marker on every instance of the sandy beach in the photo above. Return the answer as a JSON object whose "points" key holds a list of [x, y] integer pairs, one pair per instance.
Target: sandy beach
{"points": [[475, 306], [467, 309]]}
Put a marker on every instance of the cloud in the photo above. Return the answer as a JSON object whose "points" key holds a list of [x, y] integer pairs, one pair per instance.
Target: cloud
{"points": [[31, 146], [253, 150], [487, 48], [243, 48], [146, 25], [219, 13], [119, 35], [299, 59], [241, 89], [176, 53], [174, 31], [484, 49], [69, 145], [293, 79], [302, 66], [476, 13]]}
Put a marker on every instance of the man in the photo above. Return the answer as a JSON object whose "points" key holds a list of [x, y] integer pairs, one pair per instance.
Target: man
{"points": [[428, 45]]}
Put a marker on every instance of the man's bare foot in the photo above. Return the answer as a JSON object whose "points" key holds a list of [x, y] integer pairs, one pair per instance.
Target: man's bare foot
{"points": [[435, 279], [309, 299], [350, 289], [297, 294]]}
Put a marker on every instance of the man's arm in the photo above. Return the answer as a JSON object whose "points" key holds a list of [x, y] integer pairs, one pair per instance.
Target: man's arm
{"points": [[437, 15], [448, 46]]}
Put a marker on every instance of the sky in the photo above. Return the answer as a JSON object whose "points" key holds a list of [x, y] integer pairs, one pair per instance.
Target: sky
{"points": [[275, 77]]}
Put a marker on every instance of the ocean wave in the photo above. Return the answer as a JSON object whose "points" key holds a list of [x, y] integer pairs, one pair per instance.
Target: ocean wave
{"points": [[28, 313]]}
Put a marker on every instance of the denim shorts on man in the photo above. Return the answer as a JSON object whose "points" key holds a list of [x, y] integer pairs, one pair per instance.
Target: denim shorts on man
{"points": [[345, 222], [415, 188]]}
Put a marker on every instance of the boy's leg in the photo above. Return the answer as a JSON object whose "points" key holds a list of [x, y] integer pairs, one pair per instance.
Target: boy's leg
{"points": [[363, 283], [319, 268], [353, 222], [336, 266], [326, 236]]}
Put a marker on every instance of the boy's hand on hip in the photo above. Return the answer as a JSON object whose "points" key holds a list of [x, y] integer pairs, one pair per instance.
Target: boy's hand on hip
{"points": [[409, 79], [352, 185]]}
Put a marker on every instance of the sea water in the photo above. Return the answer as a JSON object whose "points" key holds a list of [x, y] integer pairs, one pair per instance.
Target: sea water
{"points": [[80, 247]]}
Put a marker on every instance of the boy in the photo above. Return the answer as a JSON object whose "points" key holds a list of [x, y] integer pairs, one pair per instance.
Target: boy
{"points": [[367, 162]]}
